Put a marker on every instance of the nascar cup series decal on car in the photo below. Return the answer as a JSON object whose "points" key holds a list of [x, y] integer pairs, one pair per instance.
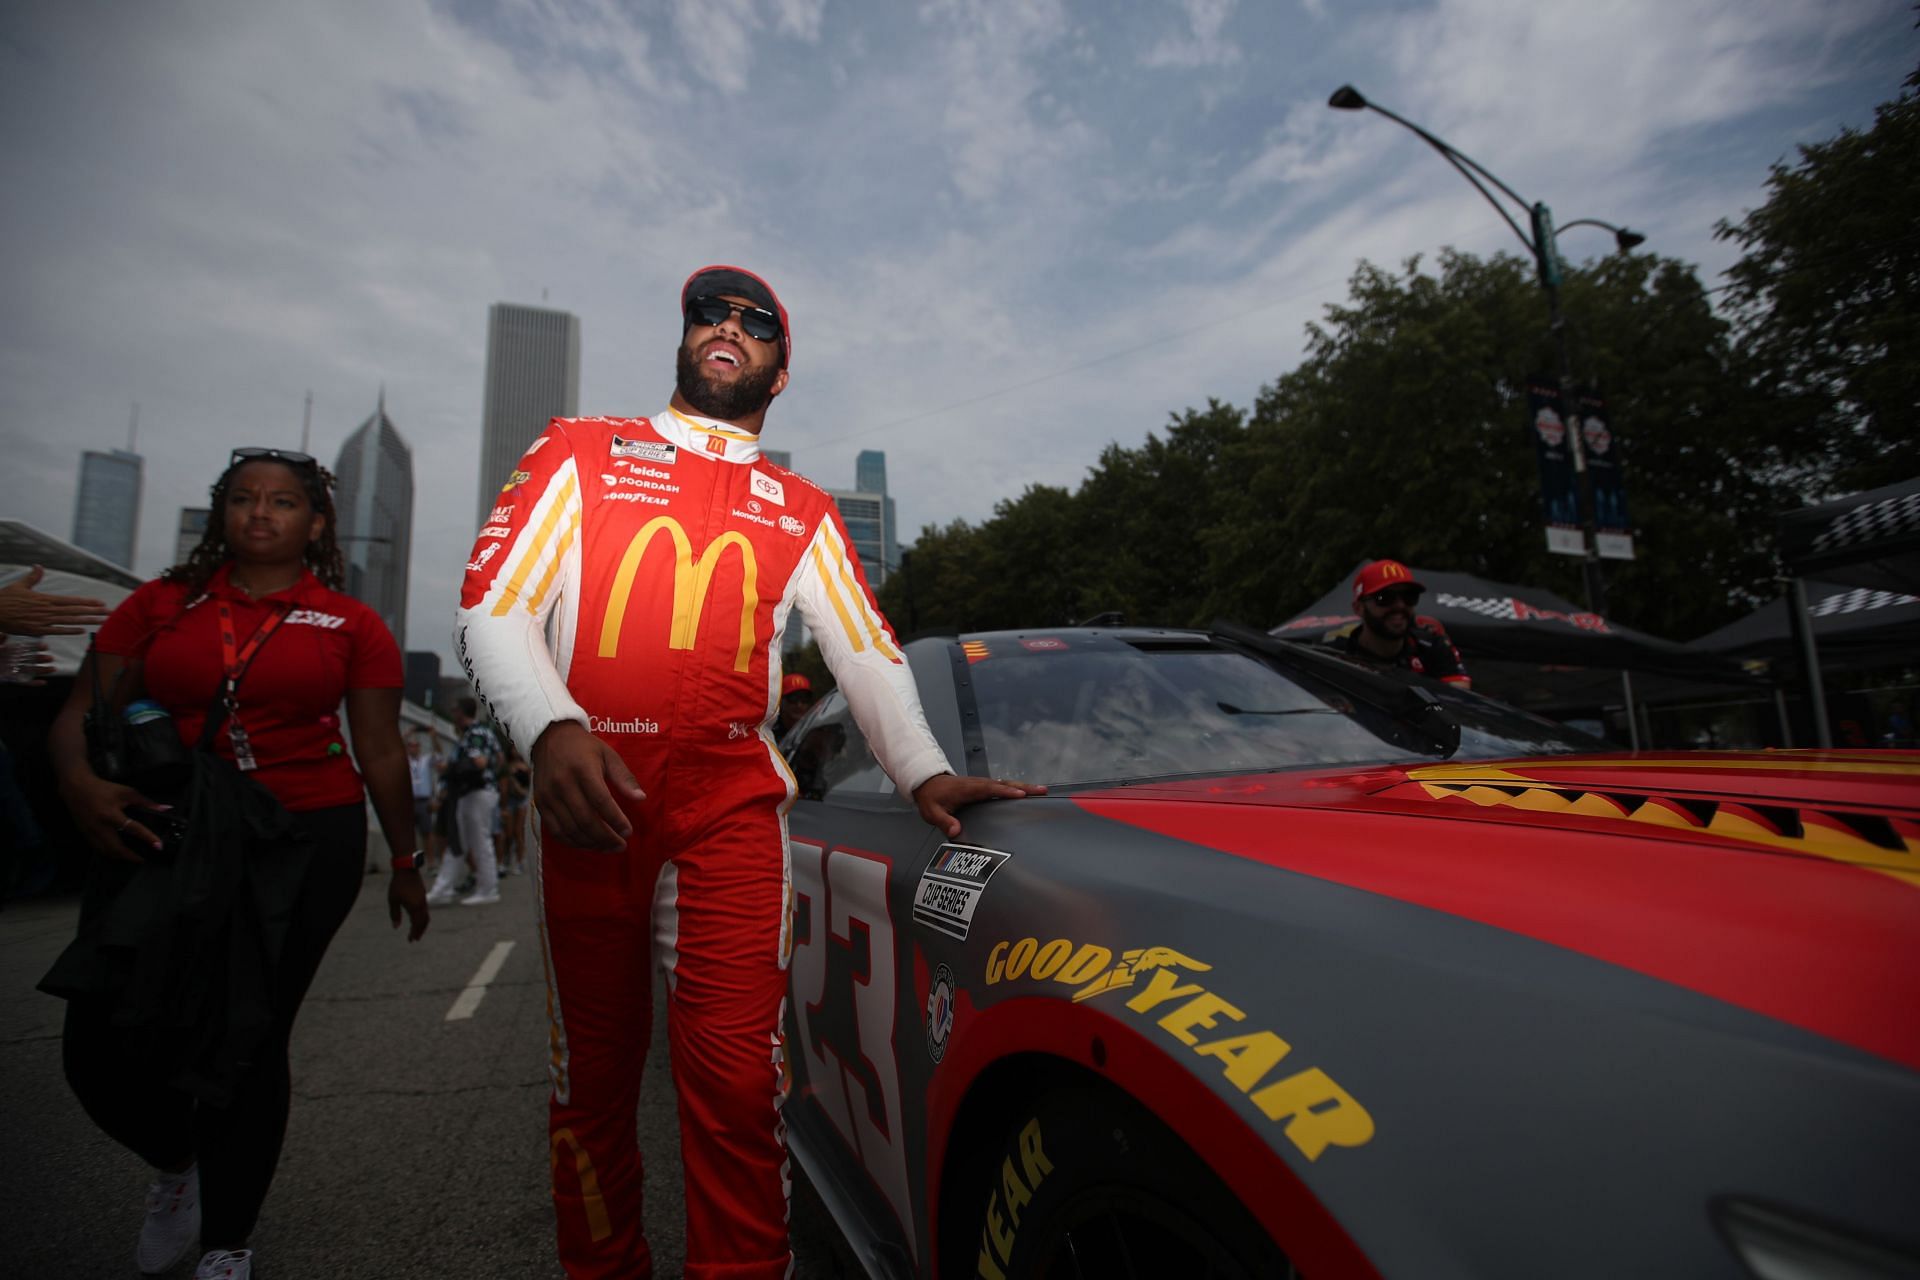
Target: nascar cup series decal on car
{"points": [[651, 450], [940, 1013], [1316, 1113], [951, 886]]}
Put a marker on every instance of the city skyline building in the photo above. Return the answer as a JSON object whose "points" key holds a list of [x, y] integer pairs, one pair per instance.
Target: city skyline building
{"points": [[533, 374], [186, 535], [869, 516], [106, 511], [373, 503]]}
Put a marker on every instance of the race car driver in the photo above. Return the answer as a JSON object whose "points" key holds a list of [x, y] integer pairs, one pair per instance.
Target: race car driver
{"points": [[669, 555], [1389, 634]]}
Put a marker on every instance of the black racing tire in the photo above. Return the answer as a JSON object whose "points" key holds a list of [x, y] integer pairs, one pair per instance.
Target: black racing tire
{"points": [[1087, 1183]]}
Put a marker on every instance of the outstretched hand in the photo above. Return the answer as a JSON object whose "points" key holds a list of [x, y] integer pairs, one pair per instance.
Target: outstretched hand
{"points": [[26, 612], [579, 786], [941, 794]]}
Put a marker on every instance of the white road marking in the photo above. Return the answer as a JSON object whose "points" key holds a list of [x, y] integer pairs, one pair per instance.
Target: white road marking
{"points": [[489, 969]]}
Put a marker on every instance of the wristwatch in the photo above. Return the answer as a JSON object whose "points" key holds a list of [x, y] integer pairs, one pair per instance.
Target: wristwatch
{"points": [[411, 861]]}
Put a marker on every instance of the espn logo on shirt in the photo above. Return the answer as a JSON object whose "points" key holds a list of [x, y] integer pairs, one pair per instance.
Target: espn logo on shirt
{"points": [[314, 618]]}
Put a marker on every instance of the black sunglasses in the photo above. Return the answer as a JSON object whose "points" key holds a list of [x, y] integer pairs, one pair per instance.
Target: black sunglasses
{"points": [[757, 321], [1409, 595], [254, 453]]}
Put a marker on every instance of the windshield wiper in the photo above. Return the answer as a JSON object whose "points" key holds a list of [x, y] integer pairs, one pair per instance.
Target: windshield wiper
{"points": [[1428, 728], [1232, 710]]}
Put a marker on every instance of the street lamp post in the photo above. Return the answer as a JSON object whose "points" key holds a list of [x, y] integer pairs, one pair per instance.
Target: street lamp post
{"points": [[1543, 247]]}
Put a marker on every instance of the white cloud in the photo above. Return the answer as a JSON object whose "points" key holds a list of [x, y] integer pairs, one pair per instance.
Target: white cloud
{"points": [[1020, 229], [1201, 45]]}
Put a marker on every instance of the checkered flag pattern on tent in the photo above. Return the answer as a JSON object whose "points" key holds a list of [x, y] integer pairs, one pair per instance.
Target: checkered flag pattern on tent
{"points": [[1485, 606], [1870, 521], [1859, 600]]}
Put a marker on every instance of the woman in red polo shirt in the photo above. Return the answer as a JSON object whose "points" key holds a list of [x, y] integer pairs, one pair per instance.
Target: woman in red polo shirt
{"points": [[259, 596]]}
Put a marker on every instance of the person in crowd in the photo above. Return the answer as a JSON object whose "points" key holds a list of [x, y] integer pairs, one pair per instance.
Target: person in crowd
{"points": [[660, 793], [473, 790], [1390, 634], [254, 631], [423, 775], [796, 699], [516, 785]]}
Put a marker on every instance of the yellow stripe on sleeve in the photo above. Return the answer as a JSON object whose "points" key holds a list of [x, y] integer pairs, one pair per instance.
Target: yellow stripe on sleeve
{"points": [[874, 630], [553, 566], [511, 594], [833, 596]]}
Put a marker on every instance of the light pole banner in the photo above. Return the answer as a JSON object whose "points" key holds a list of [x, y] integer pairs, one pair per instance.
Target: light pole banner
{"points": [[1613, 534], [1559, 486]]}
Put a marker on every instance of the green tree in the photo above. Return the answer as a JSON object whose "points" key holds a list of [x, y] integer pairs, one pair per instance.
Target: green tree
{"points": [[1403, 433], [1827, 301]]}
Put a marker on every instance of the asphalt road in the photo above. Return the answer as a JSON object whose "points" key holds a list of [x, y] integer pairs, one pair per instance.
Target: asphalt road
{"points": [[417, 1144]]}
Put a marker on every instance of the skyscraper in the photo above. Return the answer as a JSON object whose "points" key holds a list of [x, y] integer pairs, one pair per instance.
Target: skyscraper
{"points": [[193, 524], [870, 476], [106, 514], [533, 374], [868, 513], [373, 501]]}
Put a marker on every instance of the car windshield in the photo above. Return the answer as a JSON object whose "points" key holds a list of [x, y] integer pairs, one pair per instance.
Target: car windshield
{"points": [[1067, 709]]}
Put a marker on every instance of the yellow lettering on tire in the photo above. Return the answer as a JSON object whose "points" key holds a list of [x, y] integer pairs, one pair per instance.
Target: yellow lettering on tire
{"points": [[1319, 1113], [1162, 987], [1201, 1011], [1051, 957], [1021, 956], [1248, 1057], [1087, 961], [1032, 1158], [1014, 1190]]}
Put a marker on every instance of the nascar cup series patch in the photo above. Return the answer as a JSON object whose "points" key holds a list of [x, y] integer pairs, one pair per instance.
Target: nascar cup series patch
{"points": [[951, 886], [651, 450]]}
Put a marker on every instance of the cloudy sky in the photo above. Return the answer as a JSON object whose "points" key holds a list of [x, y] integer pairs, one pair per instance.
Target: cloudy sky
{"points": [[1009, 231]]}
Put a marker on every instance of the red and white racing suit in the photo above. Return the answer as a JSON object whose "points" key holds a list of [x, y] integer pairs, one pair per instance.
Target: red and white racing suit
{"points": [[665, 557]]}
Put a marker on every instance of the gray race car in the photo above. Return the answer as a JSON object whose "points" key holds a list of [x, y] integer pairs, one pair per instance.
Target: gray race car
{"points": [[1306, 969]]}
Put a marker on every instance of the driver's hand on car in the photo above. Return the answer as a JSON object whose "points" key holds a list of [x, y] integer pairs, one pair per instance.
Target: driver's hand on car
{"points": [[579, 785], [941, 794]]}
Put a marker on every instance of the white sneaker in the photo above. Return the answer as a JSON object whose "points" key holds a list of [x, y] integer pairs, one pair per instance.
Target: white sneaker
{"points": [[439, 899], [173, 1221], [478, 899], [222, 1265]]}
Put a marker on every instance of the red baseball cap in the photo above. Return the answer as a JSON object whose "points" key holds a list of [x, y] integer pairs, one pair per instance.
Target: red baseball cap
{"points": [[741, 283], [795, 683], [1382, 574]]}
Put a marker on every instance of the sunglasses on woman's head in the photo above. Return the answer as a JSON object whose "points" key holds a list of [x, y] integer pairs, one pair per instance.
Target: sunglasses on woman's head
{"points": [[757, 321], [254, 453]]}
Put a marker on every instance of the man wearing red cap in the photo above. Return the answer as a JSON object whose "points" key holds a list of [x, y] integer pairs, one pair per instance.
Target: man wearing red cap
{"points": [[665, 557], [796, 699], [1388, 633]]}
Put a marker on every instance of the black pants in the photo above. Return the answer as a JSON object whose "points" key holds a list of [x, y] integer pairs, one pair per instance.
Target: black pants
{"points": [[237, 1146]]}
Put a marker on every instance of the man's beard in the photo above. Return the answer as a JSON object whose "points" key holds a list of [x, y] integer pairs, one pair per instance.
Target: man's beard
{"points": [[727, 401], [1378, 626]]}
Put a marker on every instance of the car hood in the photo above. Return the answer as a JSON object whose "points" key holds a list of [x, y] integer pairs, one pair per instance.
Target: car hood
{"points": [[1859, 807], [1784, 882]]}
